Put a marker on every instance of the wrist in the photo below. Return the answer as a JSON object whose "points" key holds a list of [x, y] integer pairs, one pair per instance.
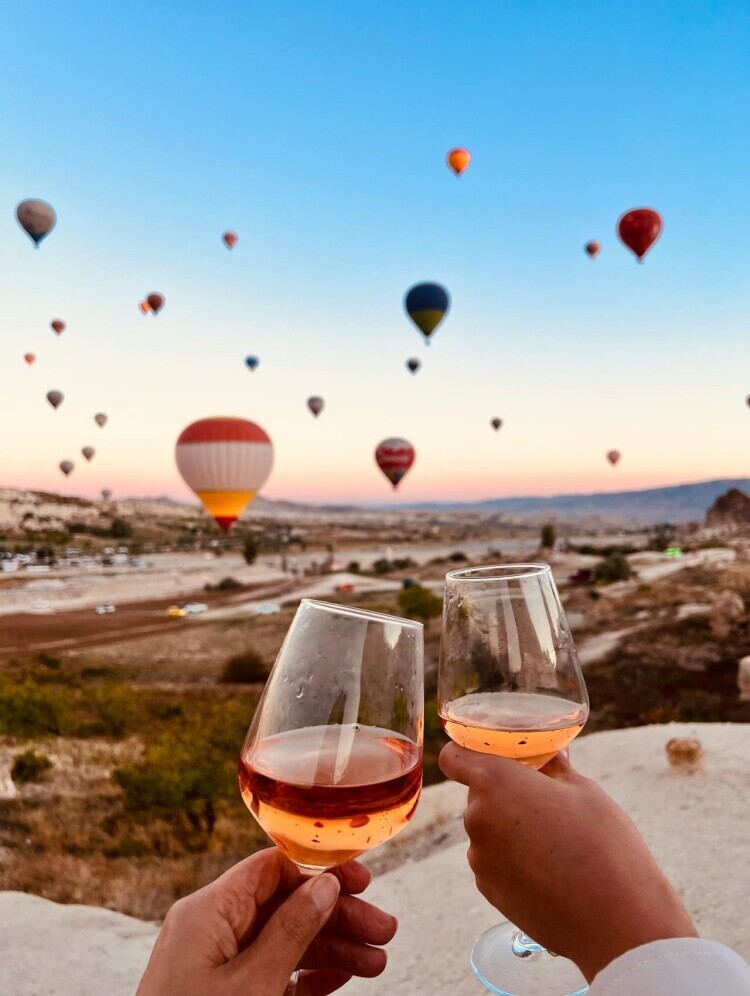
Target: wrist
{"points": [[607, 945]]}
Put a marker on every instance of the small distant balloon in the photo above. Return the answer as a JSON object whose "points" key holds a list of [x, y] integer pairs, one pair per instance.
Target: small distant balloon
{"points": [[614, 457], [496, 423], [30, 358], [395, 457], [58, 326], [592, 249], [66, 466], [639, 229], [458, 160], [37, 219], [427, 305], [106, 493], [88, 452], [747, 399], [316, 405], [155, 302], [145, 307], [413, 364], [101, 419], [252, 362], [55, 398], [230, 239]]}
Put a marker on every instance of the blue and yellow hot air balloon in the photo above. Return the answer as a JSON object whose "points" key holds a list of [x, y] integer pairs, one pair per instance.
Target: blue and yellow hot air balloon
{"points": [[427, 305]]}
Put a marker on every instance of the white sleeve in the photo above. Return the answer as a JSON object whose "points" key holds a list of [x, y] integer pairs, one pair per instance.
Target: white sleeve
{"points": [[685, 966]]}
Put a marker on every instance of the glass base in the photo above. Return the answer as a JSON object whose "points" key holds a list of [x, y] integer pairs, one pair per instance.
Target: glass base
{"points": [[509, 963]]}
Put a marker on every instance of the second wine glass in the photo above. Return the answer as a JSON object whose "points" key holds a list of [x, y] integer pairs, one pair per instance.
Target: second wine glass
{"points": [[510, 684]]}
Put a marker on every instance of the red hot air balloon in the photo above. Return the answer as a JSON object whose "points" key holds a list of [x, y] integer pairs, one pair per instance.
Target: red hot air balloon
{"points": [[395, 457], [145, 307], [29, 357], [155, 302], [58, 326], [230, 239], [592, 249], [639, 229], [37, 219], [458, 160], [614, 457]]}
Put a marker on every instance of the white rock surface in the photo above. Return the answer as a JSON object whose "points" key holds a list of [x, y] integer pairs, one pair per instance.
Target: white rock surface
{"points": [[696, 825]]}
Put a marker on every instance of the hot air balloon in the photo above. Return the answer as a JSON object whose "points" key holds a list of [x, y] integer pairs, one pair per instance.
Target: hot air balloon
{"points": [[88, 452], [458, 160], [106, 493], [639, 229], [748, 400], [225, 461], [29, 357], [427, 305], [394, 457], [155, 302], [413, 364], [57, 326], [316, 405], [66, 466], [37, 219], [101, 419], [55, 398], [252, 362], [496, 423], [592, 249], [230, 239], [145, 307], [614, 457]]}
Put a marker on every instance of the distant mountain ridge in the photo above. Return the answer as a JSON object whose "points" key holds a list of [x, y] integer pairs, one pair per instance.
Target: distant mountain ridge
{"points": [[677, 503]]}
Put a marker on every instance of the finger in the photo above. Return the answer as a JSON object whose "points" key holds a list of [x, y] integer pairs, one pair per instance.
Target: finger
{"points": [[329, 951], [361, 921], [354, 877], [237, 895], [320, 983], [284, 939], [469, 767], [559, 766]]}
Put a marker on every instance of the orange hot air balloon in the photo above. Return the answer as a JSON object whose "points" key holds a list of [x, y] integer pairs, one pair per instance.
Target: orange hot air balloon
{"points": [[145, 307], [230, 239], [58, 326], [639, 229], [155, 302], [29, 357], [225, 461], [458, 160], [592, 249], [614, 457]]}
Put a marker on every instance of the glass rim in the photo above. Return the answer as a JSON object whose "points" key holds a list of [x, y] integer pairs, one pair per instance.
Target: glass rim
{"points": [[364, 614], [499, 572]]}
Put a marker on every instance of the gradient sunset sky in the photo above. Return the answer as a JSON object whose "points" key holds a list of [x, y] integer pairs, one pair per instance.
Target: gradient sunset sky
{"points": [[318, 132]]}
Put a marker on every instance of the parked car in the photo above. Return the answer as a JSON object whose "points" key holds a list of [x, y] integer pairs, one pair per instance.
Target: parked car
{"points": [[194, 608], [104, 610], [344, 586], [176, 612], [41, 605]]}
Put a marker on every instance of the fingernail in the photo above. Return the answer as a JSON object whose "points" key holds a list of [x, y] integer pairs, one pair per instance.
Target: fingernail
{"points": [[324, 892]]}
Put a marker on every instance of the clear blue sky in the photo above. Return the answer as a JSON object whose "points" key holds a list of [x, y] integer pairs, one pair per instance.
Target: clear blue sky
{"points": [[318, 132]]}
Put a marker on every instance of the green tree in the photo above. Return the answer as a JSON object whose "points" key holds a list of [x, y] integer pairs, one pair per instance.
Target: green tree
{"points": [[249, 549], [417, 602], [614, 568], [548, 536], [120, 529]]}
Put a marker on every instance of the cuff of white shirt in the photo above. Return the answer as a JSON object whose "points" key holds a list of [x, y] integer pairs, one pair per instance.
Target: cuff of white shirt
{"points": [[684, 966]]}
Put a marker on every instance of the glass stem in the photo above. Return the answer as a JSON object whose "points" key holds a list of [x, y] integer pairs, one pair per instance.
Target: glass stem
{"points": [[291, 986], [524, 946]]}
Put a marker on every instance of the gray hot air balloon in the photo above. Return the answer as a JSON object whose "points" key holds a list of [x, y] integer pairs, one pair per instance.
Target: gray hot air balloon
{"points": [[316, 405], [66, 466], [37, 219], [106, 493], [101, 419], [413, 364], [55, 398], [496, 423], [88, 452]]}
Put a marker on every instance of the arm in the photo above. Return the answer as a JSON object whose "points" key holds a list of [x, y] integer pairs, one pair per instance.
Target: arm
{"points": [[247, 932]]}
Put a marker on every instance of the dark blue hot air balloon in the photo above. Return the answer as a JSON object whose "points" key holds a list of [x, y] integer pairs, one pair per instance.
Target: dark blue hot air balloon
{"points": [[427, 305], [252, 362]]}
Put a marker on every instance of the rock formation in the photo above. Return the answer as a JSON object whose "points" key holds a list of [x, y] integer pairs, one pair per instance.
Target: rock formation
{"points": [[729, 509]]}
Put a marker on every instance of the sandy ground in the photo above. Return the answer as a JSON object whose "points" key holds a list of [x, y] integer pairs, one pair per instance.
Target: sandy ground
{"points": [[695, 824]]}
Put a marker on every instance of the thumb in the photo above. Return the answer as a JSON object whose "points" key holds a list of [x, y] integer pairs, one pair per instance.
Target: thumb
{"points": [[275, 953]]}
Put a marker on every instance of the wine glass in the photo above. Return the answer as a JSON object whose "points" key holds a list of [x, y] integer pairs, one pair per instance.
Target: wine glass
{"points": [[510, 684], [332, 763]]}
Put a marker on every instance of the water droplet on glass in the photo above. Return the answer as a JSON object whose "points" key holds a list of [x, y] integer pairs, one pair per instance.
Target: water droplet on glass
{"points": [[355, 728], [300, 692]]}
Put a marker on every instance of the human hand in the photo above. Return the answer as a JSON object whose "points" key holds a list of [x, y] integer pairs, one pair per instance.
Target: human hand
{"points": [[247, 932], [561, 860]]}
